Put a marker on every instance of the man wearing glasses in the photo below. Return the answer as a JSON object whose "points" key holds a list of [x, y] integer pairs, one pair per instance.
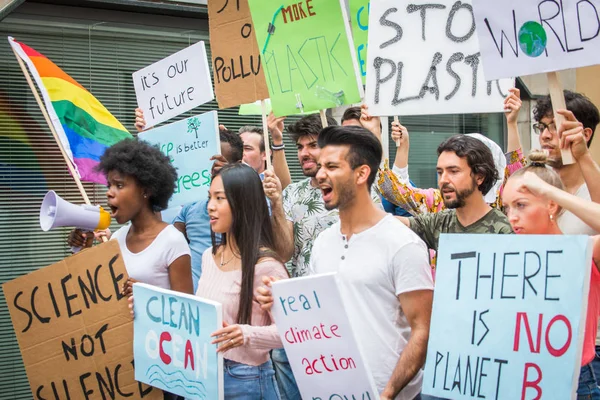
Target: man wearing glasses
{"points": [[579, 178]]}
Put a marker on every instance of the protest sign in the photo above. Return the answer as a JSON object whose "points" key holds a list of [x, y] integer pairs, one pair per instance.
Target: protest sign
{"points": [[508, 318], [424, 59], [171, 344], [529, 37], [318, 339], [238, 74], [307, 54], [173, 85], [189, 144], [359, 17], [255, 108], [74, 328]]}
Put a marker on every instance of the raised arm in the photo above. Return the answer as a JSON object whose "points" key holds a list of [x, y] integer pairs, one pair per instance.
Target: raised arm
{"points": [[585, 210], [574, 136], [280, 165], [512, 106], [283, 229], [413, 200], [400, 136]]}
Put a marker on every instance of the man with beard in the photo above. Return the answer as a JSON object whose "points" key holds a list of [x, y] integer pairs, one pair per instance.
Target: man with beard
{"points": [[299, 215], [466, 172], [382, 267]]}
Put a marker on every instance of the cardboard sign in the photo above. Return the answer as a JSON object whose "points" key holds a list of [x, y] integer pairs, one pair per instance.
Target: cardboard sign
{"points": [[307, 54], [171, 342], [359, 17], [424, 59], [173, 85], [319, 341], [189, 143], [238, 73], [74, 328], [508, 318], [529, 37]]}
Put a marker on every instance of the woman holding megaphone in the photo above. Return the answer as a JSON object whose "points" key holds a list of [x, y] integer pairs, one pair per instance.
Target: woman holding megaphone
{"points": [[141, 180]]}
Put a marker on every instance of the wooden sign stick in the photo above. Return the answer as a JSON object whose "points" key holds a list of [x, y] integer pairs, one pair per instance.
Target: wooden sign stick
{"points": [[385, 138], [263, 106], [557, 97], [323, 118], [398, 121]]}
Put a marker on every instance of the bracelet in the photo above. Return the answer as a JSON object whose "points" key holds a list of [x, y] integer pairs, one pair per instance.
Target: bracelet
{"points": [[277, 148]]}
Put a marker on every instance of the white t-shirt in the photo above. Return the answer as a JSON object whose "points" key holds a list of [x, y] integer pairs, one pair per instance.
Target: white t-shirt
{"points": [[569, 224], [151, 265], [374, 267]]}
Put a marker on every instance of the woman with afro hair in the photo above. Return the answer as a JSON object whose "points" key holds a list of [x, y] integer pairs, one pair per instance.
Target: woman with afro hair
{"points": [[141, 180]]}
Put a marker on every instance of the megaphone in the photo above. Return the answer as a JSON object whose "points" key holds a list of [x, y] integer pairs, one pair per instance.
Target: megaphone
{"points": [[56, 211]]}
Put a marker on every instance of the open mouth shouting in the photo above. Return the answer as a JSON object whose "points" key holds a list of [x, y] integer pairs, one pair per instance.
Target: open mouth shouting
{"points": [[113, 210], [326, 192]]}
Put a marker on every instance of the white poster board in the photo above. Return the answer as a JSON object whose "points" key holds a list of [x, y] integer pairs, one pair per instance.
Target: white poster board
{"points": [[174, 85], [509, 314], [424, 59], [319, 341], [529, 37]]}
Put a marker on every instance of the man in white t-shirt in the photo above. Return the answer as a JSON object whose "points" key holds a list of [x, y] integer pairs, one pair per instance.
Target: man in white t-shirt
{"points": [[384, 272]]}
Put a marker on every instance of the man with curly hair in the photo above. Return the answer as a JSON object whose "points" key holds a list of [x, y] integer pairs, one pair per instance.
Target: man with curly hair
{"points": [[574, 176], [466, 171]]}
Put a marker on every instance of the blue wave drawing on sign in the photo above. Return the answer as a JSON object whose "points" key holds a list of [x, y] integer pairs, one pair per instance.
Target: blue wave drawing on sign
{"points": [[193, 388]]}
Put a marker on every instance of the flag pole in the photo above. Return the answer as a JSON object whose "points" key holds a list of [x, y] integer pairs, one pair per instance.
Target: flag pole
{"points": [[74, 173]]}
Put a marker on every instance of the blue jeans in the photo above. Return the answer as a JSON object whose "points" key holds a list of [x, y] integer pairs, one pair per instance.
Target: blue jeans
{"points": [[247, 382], [588, 387], [596, 365], [285, 378]]}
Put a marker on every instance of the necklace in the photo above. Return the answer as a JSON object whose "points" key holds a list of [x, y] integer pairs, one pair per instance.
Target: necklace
{"points": [[228, 261]]}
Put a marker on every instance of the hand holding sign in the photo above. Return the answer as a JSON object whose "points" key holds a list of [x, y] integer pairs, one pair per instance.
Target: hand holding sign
{"points": [[264, 294], [140, 121], [400, 136], [272, 187], [571, 133], [276, 128]]}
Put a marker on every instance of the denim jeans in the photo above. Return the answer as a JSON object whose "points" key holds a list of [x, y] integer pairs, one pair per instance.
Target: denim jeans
{"points": [[247, 382], [588, 387], [596, 365], [285, 378]]}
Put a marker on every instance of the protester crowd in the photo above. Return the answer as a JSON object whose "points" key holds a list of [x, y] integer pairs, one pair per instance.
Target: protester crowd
{"points": [[257, 227]]}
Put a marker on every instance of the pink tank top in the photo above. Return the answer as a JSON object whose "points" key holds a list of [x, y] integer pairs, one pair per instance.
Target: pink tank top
{"points": [[591, 321]]}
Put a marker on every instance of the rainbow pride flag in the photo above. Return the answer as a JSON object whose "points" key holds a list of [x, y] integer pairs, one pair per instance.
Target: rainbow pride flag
{"points": [[84, 126]]}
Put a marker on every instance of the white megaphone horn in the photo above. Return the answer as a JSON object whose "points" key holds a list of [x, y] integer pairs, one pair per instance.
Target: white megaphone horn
{"points": [[56, 211]]}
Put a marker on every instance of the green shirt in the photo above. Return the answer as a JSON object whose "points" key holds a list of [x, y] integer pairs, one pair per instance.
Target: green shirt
{"points": [[430, 226]]}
